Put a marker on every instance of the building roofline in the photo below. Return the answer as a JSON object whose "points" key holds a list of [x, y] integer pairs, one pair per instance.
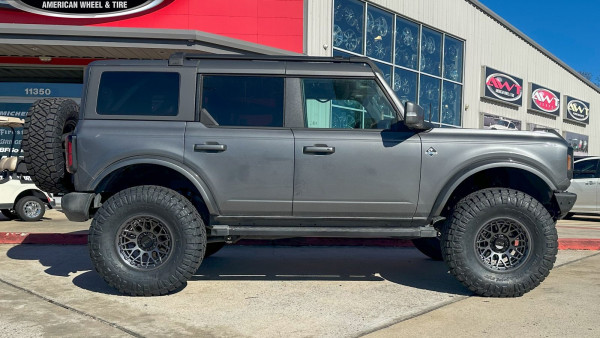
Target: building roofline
{"points": [[530, 41], [115, 35]]}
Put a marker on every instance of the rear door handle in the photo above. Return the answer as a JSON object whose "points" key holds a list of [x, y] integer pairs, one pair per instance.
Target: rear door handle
{"points": [[210, 147], [319, 149]]}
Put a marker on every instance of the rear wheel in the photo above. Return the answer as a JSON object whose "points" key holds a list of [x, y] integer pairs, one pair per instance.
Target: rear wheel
{"points": [[147, 241], [30, 209], [500, 242], [46, 124]]}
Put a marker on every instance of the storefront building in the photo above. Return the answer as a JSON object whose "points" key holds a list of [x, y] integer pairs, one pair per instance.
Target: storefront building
{"points": [[464, 64]]}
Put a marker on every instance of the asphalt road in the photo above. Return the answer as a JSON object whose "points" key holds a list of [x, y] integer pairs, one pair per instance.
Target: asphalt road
{"points": [[246, 291]]}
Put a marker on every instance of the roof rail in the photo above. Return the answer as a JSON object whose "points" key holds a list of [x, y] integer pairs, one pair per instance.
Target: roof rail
{"points": [[177, 59]]}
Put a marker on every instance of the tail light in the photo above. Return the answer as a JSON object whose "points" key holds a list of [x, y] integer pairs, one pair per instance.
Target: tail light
{"points": [[70, 154]]}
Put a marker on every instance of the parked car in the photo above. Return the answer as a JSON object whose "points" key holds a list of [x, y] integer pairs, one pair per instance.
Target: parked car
{"points": [[586, 184], [501, 124], [174, 158], [19, 197]]}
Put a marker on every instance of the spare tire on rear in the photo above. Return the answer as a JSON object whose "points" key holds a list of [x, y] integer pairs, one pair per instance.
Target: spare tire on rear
{"points": [[46, 124]]}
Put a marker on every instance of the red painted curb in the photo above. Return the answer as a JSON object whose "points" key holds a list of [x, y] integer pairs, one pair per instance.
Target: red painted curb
{"points": [[81, 239], [578, 244]]}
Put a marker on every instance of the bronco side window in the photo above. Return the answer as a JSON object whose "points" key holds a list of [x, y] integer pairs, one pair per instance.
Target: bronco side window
{"points": [[245, 101], [138, 93], [345, 104]]}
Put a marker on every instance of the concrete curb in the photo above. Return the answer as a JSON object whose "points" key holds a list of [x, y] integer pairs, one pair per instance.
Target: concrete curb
{"points": [[81, 239]]}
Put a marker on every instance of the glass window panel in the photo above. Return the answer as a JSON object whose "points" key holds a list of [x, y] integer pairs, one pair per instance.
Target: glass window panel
{"points": [[451, 103], [431, 53], [453, 59], [429, 97], [585, 169], [386, 70], [405, 85], [348, 25], [346, 104], [380, 25], [243, 100], [407, 44], [138, 93]]}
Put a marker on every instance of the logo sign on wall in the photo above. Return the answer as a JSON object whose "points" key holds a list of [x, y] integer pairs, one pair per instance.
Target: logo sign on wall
{"points": [[85, 8], [502, 87], [577, 110], [544, 100]]}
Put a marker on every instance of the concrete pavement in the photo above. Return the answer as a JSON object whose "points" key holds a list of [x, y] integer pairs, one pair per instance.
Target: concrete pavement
{"points": [[567, 304], [249, 291]]}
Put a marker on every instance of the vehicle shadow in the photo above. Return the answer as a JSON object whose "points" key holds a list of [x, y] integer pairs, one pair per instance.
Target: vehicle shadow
{"points": [[404, 266]]}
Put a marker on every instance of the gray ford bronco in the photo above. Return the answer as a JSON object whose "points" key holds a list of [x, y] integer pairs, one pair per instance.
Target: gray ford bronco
{"points": [[173, 159]]}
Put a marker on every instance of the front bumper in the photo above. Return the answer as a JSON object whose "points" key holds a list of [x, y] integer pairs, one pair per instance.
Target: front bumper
{"points": [[565, 202]]}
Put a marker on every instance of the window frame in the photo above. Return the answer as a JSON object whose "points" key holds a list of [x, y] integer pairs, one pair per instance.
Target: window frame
{"points": [[200, 99]]}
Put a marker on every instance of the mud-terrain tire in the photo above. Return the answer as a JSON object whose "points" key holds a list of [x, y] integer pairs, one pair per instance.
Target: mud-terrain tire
{"points": [[430, 247], [47, 121], [30, 209], [500, 242], [213, 248], [147, 241], [10, 214]]}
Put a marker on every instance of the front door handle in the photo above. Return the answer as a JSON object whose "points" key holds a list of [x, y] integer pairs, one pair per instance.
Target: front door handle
{"points": [[210, 147], [319, 149]]}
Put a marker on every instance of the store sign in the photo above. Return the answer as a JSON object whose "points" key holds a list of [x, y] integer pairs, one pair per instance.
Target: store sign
{"points": [[502, 87], [544, 100], [85, 8], [577, 110]]}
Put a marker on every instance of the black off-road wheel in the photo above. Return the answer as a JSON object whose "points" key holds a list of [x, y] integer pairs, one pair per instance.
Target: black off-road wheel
{"points": [[46, 124], [30, 209], [500, 242], [213, 248], [10, 214], [147, 241], [430, 247]]}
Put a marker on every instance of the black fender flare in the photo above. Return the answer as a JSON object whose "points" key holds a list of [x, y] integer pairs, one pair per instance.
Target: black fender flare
{"points": [[181, 168]]}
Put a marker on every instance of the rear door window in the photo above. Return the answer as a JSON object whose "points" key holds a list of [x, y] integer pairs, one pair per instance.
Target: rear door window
{"points": [[245, 101], [138, 94]]}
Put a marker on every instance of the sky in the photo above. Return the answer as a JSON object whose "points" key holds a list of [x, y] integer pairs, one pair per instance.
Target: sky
{"points": [[568, 29]]}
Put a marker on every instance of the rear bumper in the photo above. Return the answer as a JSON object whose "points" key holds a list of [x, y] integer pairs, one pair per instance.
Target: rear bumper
{"points": [[565, 201], [77, 205]]}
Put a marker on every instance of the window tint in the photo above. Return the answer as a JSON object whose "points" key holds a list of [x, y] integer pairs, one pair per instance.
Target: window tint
{"points": [[243, 100], [346, 104], [138, 93], [585, 169]]}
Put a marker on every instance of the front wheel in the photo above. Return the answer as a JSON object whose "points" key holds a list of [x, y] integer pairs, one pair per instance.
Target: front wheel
{"points": [[147, 241], [30, 209], [500, 242]]}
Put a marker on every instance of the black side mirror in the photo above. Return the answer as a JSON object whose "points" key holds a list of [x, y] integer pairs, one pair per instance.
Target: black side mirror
{"points": [[414, 116]]}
